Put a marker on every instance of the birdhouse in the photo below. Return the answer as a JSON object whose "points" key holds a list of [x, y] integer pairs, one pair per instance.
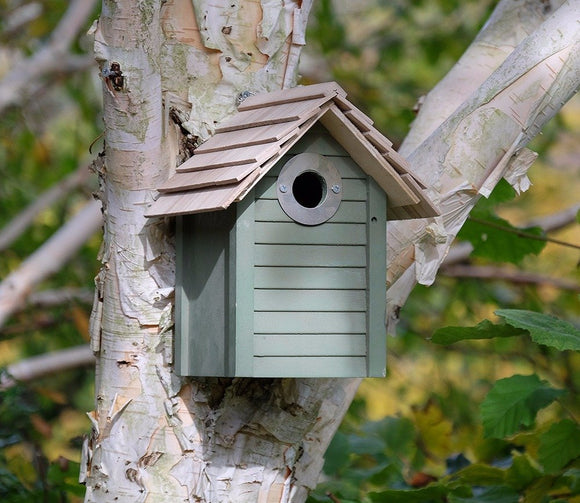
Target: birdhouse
{"points": [[281, 239]]}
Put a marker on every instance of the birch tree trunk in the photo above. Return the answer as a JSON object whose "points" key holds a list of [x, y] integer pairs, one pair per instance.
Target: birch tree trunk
{"points": [[170, 70]]}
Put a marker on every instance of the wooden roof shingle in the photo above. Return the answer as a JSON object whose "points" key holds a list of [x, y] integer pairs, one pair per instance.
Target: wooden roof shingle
{"points": [[248, 144]]}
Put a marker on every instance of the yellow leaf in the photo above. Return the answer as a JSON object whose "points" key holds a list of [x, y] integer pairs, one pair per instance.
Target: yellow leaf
{"points": [[434, 430]]}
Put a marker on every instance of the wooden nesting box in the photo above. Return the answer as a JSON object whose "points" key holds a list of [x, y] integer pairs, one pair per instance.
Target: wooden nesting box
{"points": [[281, 239]]}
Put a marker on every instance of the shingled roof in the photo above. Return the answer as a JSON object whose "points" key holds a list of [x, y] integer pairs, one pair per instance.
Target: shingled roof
{"points": [[248, 144]]}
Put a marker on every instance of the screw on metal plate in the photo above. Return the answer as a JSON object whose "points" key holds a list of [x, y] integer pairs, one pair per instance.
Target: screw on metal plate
{"points": [[336, 189], [283, 188]]}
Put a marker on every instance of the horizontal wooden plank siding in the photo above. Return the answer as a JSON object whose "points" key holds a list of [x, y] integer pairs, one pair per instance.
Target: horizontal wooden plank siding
{"points": [[269, 210], [311, 277], [291, 233], [311, 282], [309, 322], [310, 255], [310, 300], [310, 345], [316, 366]]}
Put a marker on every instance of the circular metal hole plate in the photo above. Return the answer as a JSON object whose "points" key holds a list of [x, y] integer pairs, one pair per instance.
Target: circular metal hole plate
{"points": [[309, 189]]}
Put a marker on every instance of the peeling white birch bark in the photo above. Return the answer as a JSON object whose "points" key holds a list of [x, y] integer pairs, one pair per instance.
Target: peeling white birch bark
{"points": [[479, 143], [510, 23], [157, 437]]}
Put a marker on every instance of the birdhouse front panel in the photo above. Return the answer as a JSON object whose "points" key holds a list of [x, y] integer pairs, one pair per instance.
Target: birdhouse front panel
{"points": [[319, 292], [281, 239]]}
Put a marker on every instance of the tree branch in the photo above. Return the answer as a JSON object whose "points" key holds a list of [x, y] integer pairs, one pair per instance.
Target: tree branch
{"points": [[510, 23], [16, 20], [460, 252], [46, 364], [20, 223], [49, 258], [51, 298], [505, 274], [468, 154], [15, 86], [523, 234]]}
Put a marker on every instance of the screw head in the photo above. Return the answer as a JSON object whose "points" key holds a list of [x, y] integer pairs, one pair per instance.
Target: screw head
{"points": [[336, 189], [283, 188]]}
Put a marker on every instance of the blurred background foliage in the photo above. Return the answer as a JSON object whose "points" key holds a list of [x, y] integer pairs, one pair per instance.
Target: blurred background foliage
{"points": [[409, 431], [43, 140]]}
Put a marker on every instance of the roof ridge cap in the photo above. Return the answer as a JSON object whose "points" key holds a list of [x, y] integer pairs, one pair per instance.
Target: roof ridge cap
{"points": [[292, 94]]}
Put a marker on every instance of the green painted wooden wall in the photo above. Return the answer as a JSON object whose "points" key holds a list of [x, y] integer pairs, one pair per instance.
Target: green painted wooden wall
{"points": [[261, 295]]}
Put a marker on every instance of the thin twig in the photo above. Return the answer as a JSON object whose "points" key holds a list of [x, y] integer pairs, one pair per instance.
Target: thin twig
{"points": [[502, 273], [49, 258], [51, 298], [40, 321], [556, 221], [550, 223], [46, 364], [47, 60], [14, 229], [523, 234], [332, 497]]}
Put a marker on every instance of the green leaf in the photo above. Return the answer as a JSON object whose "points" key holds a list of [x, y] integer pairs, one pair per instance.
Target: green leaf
{"points": [[502, 193], [571, 478], [481, 475], [365, 445], [484, 330], [496, 494], [537, 491], [434, 492], [522, 472], [514, 402], [337, 454], [64, 476], [544, 329], [496, 239], [396, 434], [389, 476], [559, 445]]}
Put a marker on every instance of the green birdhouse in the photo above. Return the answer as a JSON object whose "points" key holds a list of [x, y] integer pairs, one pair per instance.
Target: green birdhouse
{"points": [[281, 239]]}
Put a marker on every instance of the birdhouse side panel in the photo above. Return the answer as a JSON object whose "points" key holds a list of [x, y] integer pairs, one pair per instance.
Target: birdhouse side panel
{"points": [[202, 294], [376, 281]]}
